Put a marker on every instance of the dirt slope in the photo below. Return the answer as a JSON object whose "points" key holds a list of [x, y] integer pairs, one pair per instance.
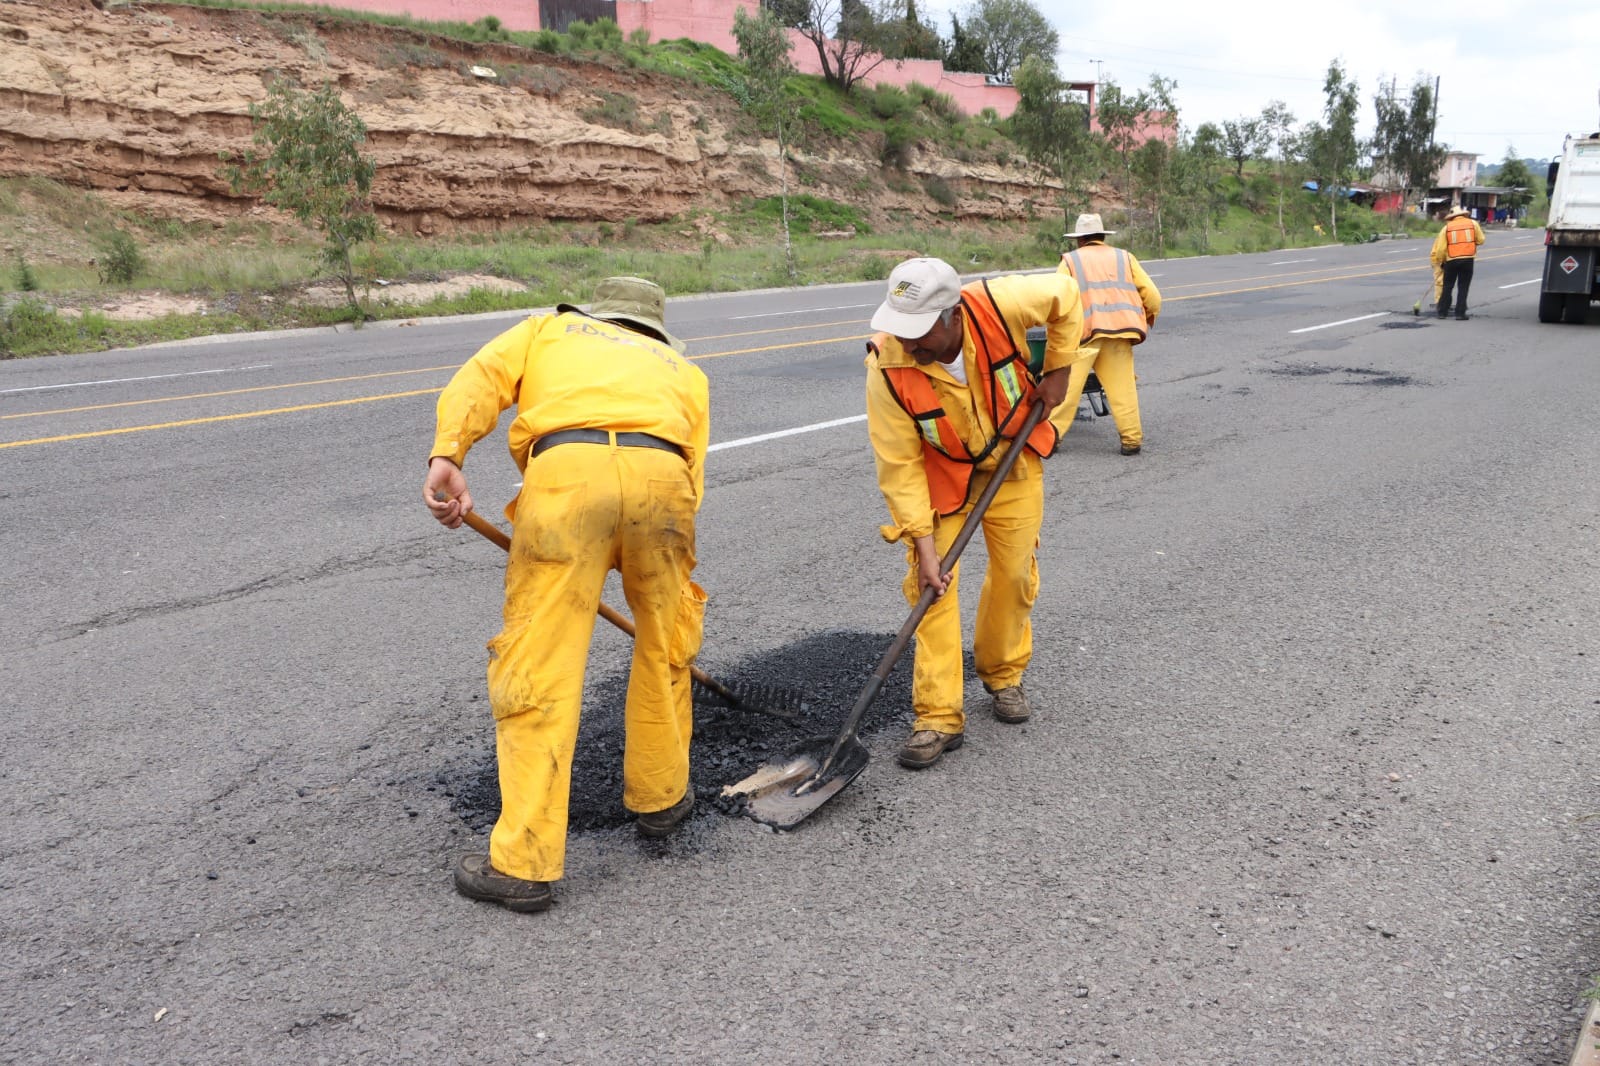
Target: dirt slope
{"points": [[137, 101]]}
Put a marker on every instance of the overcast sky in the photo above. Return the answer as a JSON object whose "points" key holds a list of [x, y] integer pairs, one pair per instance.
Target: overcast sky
{"points": [[1510, 74]]}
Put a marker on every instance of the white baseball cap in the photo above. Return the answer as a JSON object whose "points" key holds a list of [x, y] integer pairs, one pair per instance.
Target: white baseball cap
{"points": [[918, 290]]}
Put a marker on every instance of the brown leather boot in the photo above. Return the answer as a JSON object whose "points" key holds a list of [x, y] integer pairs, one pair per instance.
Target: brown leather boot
{"points": [[657, 824], [1011, 705], [925, 746]]}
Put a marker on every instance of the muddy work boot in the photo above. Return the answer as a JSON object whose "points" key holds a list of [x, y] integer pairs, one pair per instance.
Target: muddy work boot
{"points": [[925, 746], [657, 824], [476, 879], [1130, 449], [1011, 705]]}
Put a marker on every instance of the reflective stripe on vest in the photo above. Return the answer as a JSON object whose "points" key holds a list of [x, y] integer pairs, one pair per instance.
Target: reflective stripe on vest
{"points": [[1007, 388], [1460, 239], [1111, 301]]}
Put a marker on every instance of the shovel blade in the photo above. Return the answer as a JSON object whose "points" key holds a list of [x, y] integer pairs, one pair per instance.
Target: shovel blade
{"points": [[783, 792]]}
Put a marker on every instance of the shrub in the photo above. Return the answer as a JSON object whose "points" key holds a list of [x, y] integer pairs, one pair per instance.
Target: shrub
{"points": [[898, 140], [27, 281], [940, 190], [120, 261]]}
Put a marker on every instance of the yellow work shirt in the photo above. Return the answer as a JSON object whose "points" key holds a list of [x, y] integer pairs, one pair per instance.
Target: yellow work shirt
{"points": [[570, 371], [1024, 301]]}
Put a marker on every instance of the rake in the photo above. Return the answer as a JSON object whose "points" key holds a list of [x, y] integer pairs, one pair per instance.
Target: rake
{"points": [[759, 699]]}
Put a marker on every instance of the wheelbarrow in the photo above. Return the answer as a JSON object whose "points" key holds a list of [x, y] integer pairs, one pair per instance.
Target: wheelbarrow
{"points": [[1092, 389]]}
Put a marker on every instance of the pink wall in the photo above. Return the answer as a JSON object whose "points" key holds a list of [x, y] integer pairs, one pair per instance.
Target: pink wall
{"points": [[710, 21], [970, 91]]}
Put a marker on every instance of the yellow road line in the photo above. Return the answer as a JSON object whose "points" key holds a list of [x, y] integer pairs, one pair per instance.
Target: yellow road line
{"points": [[215, 418]]}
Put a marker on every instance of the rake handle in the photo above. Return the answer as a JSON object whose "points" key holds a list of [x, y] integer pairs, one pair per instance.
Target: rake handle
{"points": [[492, 532], [1036, 413]]}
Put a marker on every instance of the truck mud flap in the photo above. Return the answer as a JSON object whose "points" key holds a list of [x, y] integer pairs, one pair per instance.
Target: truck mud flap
{"points": [[1569, 269]]}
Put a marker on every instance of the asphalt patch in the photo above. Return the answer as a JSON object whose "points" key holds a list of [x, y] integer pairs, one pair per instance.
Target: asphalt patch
{"points": [[829, 668]]}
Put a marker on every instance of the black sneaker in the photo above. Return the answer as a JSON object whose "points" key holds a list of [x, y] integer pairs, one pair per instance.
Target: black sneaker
{"points": [[476, 879], [657, 824]]}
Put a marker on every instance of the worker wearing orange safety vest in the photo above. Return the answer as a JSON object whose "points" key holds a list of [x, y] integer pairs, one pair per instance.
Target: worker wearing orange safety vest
{"points": [[1120, 304], [610, 435], [948, 386], [1453, 250]]}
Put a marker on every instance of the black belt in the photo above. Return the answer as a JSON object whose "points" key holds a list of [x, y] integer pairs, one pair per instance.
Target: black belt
{"points": [[602, 436]]}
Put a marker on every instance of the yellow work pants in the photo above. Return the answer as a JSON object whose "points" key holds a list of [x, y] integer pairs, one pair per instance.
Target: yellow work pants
{"points": [[1114, 367], [1438, 281], [584, 510], [1002, 642]]}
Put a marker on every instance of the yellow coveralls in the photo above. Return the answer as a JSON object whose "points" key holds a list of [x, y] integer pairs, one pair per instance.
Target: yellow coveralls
{"points": [[1003, 640], [1114, 365], [584, 510]]}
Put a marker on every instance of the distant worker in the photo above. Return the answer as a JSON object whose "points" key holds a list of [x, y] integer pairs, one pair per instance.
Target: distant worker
{"points": [[1120, 305], [1453, 250], [946, 378], [610, 436]]}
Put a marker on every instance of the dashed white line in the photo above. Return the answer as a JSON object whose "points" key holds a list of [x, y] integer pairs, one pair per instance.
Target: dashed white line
{"points": [[1519, 284], [1290, 262], [742, 441], [1341, 322]]}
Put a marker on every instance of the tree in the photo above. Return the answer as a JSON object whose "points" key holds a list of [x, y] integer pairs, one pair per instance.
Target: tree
{"points": [[764, 54], [1005, 32], [1277, 128], [307, 160], [1053, 129], [962, 52], [921, 40], [1515, 175], [1196, 180], [1242, 141], [1402, 141], [1125, 119], [853, 37], [1333, 149]]}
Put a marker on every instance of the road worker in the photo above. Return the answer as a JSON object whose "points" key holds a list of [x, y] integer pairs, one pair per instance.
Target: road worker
{"points": [[1453, 249], [610, 435], [949, 366], [1120, 305]]}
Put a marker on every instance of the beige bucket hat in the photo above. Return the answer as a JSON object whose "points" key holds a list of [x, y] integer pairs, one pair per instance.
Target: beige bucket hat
{"points": [[1089, 226], [631, 301]]}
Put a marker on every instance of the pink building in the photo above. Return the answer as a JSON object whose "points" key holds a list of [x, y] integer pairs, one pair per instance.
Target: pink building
{"points": [[710, 21]]}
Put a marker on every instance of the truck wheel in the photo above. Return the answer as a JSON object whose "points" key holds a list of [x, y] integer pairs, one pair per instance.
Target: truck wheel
{"points": [[1550, 306], [1577, 308]]}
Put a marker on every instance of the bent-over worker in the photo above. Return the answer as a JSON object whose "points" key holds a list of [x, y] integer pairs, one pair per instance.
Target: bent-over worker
{"points": [[610, 435], [947, 381], [1120, 305], [1454, 249]]}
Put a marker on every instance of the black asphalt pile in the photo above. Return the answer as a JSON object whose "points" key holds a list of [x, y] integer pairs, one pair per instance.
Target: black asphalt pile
{"points": [[829, 669]]}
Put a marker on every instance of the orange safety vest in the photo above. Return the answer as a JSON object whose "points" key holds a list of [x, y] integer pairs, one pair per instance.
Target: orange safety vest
{"points": [[1111, 301], [1008, 389], [1460, 238]]}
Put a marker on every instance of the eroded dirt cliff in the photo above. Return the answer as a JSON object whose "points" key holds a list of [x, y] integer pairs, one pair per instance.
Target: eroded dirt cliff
{"points": [[138, 101]]}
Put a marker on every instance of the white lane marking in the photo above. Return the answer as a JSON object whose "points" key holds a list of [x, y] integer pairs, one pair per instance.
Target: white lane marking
{"points": [[742, 441], [804, 311], [1155, 275], [123, 381], [1341, 322], [1290, 262], [1519, 284], [1401, 251]]}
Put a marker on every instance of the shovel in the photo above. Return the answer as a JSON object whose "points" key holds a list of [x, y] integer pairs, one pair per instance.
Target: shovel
{"points": [[779, 704], [784, 791]]}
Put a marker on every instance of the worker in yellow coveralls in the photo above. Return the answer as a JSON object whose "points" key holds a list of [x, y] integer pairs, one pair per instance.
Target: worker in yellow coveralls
{"points": [[1120, 305], [610, 434], [947, 380]]}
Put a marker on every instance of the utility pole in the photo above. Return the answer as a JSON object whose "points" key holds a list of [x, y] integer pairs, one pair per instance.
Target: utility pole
{"points": [[1097, 63]]}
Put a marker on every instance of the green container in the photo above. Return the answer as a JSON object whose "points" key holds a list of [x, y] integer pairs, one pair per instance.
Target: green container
{"points": [[1036, 339]]}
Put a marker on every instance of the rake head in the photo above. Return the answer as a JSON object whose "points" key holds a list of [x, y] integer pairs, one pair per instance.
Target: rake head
{"points": [[762, 699]]}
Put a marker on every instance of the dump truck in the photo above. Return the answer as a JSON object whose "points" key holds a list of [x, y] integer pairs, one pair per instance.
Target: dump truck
{"points": [[1572, 236]]}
